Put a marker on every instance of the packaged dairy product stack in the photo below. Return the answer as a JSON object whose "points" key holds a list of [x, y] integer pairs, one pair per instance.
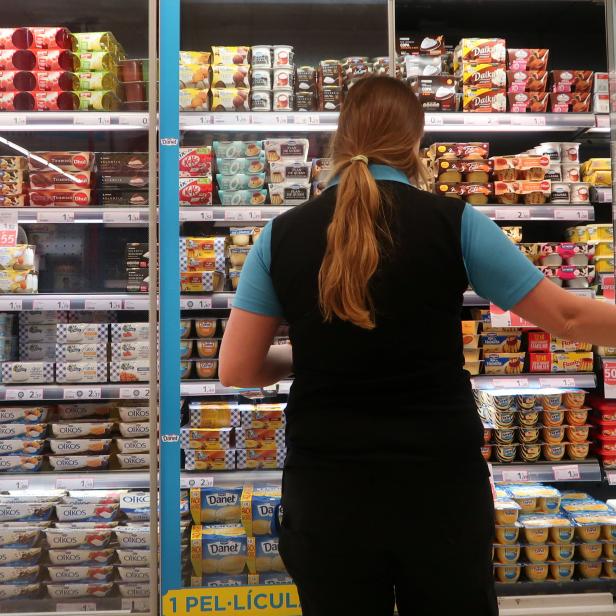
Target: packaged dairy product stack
{"points": [[289, 170], [480, 63], [100, 55], [571, 91], [230, 78], [243, 519], [603, 433], [535, 424], [202, 263], [137, 259], [272, 78], [306, 88], [241, 172], [13, 181], [330, 82], [122, 179], [194, 80], [321, 172], [73, 188], [527, 80], [601, 93], [40, 64], [461, 171], [129, 342]]}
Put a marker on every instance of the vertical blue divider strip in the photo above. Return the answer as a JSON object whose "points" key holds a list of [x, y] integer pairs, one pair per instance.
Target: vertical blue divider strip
{"points": [[169, 231]]}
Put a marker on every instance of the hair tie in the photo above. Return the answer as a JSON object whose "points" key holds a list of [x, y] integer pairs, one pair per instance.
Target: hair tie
{"points": [[361, 158]]}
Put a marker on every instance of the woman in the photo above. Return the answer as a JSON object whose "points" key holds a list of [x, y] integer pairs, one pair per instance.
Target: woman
{"points": [[386, 496]]}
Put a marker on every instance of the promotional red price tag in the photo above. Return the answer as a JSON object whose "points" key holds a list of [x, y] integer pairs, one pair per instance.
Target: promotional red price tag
{"points": [[607, 284], [8, 235], [506, 318], [609, 378]]}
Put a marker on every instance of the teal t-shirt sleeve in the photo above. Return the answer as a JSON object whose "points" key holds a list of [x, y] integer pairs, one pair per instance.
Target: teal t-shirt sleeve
{"points": [[496, 268], [255, 291]]}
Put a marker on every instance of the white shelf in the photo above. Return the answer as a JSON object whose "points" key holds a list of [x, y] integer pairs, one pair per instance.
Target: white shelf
{"points": [[92, 480], [73, 121], [548, 472], [215, 388], [435, 122], [88, 301], [243, 213], [124, 216], [534, 381], [198, 479], [524, 213], [77, 392]]}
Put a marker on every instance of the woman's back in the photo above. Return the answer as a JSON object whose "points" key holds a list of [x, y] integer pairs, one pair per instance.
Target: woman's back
{"points": [[379, 378]]}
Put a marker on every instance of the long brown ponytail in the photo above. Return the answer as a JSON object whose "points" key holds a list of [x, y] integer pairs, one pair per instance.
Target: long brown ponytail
{"points": [[381, 122]]}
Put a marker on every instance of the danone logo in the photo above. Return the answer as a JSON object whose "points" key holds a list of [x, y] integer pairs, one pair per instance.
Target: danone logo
{"points": [[265, 511], [222, 499], [270, 547], [224, 548]]}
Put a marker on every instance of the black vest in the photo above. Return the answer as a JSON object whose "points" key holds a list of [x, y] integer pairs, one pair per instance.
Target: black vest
{"points": [[398, 393]]}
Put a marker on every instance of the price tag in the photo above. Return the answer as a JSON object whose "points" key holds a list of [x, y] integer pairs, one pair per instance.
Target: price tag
{"points": [[92, 119], [512, 213], [480, 119], [8, 235], [507, 383], [506, 318], [566, 472], [571, 214], [74, 483], [122, 217], [516, 475], [609, 378], [241, 214], [434, 120], [103, 304], [306, 118], [17, 119], [608, 286], [195, 119], [8, 217], [51, 304], [136, 304], [209, 388], [611, 477], [603, 120], [82, 393], [140, 120], [196, 482], [202, 303], [230, 302], [55, 217], [14, 484], [11, 304], [34, 393], [557, 381], [134, 393], [197, 214], [524, 119], [75, 607]]}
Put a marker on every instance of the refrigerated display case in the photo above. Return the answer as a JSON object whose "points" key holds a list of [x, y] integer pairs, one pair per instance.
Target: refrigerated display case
{"points": [[206, 449], [78, 392]]}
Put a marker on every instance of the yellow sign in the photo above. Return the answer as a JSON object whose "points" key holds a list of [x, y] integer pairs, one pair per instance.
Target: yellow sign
{"points": [[264, 600]]}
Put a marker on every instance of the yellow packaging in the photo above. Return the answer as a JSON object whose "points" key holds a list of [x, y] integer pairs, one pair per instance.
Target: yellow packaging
{"points": [[194, 99], [472, 355], [195, 76], [221, 549], [596, 164], [598, 178], [577, 234], [96, 41], [195, 57], [238, 54], [472, 367], [470, 341], [604, 265], [470, 327], [600, 232], [229, 99]]}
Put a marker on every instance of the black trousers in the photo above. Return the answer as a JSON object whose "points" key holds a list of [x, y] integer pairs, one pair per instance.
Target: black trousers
{"points": [[356, 542]]}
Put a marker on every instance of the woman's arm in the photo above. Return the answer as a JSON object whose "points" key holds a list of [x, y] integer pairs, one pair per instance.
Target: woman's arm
{"points": [[247, 358], [499, 272], [569, 316]]}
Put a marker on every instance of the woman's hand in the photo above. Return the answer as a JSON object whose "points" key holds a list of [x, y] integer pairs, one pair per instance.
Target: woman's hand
{"points": [[247, 357]]}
